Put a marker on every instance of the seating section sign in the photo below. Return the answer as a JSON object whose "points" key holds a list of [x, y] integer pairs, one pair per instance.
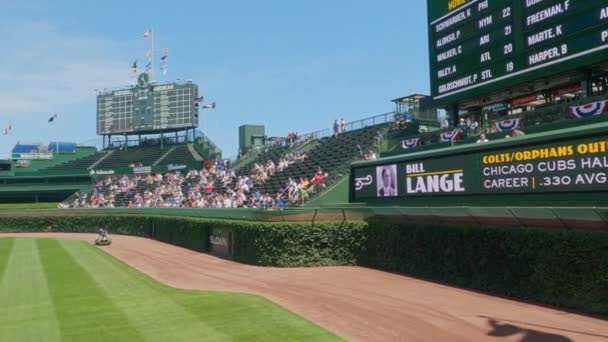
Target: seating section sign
{"points": [[579, 165]]}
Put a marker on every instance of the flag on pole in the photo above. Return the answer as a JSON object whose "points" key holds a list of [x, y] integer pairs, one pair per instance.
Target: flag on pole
{"points": [[52, 118], [134, 69], [209, 106], [163, 60], [196, 100], [148, 33]]}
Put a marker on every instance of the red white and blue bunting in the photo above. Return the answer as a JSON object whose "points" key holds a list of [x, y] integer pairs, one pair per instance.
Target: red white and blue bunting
{"points": [[452, 135], [410, 143], [507, 125], [589, 109]]}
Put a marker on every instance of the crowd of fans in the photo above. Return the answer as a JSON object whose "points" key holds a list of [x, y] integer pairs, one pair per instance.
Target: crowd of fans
{"points": [[216, 187], [261, 172]]}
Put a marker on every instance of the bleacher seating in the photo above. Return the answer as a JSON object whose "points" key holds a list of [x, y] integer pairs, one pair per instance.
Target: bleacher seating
{"points": [[179, 155], [206, 148], [58, 159], [79, 164], [125, 158], [331, 155], [62, 147], [273, 153], [132, 156]]}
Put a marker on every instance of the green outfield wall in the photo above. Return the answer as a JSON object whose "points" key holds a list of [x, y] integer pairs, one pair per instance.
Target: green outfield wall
{"points": [[559, 267]]}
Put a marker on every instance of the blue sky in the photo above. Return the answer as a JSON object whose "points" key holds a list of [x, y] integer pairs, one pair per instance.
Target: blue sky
{"points": [[291, 66]]}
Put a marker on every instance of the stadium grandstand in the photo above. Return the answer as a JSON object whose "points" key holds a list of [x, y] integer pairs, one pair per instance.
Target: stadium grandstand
{"points": [[254, 179]]}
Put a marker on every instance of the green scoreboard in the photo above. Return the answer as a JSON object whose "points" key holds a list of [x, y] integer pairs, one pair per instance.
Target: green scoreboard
{"points": [[480, 46], [148, 108]]}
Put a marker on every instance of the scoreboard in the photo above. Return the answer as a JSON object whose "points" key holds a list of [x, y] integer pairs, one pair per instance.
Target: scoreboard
{"points": [[480, 46], [148, 108]]}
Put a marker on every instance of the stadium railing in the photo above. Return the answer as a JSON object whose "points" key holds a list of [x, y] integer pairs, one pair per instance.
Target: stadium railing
{"points": [[537, 121], [358, 124]]}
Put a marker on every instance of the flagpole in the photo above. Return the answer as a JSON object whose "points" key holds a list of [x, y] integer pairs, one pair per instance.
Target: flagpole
{"points": [[153, 33], [56, 137]]}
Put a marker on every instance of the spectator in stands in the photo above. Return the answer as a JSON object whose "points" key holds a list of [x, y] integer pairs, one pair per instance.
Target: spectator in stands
{"points": [[360, 150], [473, 126], [517, 133], [379, 140], [194, 189], [408, 119], [343, 125], [303, 192], [318, 181], [336, 128], [397, 120], [445, 123], [463, 128], [208, 189], [482, 138], [304, 182]]}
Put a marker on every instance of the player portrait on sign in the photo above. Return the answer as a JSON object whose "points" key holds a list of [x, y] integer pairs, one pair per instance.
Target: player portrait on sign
{"points": [[386, 180]]}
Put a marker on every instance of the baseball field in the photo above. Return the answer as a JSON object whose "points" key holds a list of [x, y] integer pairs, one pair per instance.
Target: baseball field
{"points": [[59, 287], [62, 290]]}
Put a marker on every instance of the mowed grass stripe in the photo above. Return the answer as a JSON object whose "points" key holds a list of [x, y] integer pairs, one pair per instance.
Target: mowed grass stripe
{"points": [[251, 318], [27, 312], [6, 246], [148, 305], [213, 315], [84, 311]]}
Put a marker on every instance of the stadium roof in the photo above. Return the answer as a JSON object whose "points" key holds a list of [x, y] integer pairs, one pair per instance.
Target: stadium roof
{"points": [[410, 98]]}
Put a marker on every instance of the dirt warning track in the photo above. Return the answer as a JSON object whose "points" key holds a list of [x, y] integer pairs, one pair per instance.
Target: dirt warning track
{"points": [[359, 304]]}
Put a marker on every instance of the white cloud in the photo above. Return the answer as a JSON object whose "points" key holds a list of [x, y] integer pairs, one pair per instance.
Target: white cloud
{"points": [[45, 70]]}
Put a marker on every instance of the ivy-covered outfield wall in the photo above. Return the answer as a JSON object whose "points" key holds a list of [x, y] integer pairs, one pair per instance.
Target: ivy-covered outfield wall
{"points": [[566, 268]]}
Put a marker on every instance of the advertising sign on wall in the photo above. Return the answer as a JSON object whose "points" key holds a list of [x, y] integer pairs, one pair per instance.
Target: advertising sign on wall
{"points": [[578, 165], [219, 242]]}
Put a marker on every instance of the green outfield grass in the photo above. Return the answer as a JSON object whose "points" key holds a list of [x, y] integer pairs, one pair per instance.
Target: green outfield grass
{"points": [[12, 206], [58, 290]]}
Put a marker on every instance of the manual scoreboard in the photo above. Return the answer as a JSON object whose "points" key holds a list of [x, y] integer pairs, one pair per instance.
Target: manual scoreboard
{"points": [[148, 108], [480, 46]]}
